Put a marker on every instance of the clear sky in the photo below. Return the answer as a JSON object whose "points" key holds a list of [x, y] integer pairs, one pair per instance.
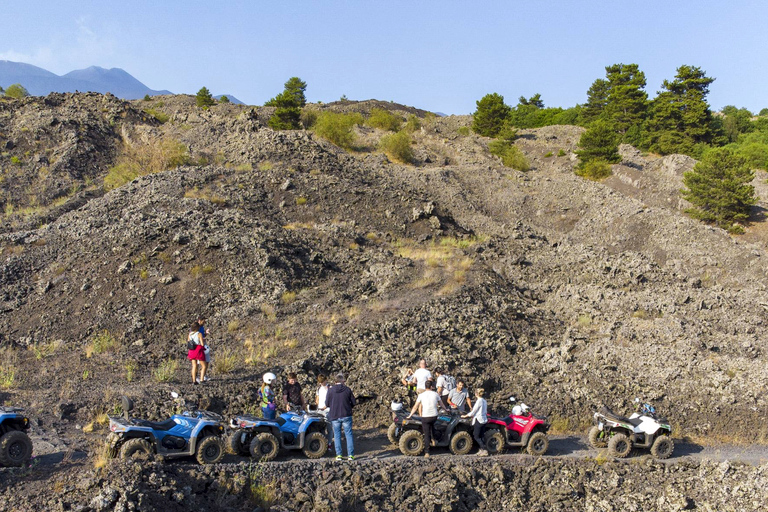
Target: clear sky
{"points": [[437, 55]]}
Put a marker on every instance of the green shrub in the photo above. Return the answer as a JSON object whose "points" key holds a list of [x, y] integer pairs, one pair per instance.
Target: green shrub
{"points": [[142, 159], [490, 115], [599, 142], [204, 98], [594, 170], [413, 124], [463, 131], [15, 160], [308, 118], [224, 99], [147, 98], [337, 128], [561, 153], [548, 154], [160, 116], [397, 147], [384, 120], [16, 91], [166, 371], [510, 155]]}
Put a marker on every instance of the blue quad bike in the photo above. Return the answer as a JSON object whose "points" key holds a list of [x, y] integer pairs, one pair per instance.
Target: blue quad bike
{"points": [[192, 433], [15, 445], [263, 439]]}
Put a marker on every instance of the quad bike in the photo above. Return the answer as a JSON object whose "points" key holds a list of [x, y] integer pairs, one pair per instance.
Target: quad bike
{"points": [[449, 430], [293, 430], [642, 429], [521, 429], [191, 433], [15, 445]]}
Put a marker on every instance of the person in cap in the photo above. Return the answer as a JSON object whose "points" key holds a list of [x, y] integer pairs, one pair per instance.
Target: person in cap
{"points": [[340, 402]]}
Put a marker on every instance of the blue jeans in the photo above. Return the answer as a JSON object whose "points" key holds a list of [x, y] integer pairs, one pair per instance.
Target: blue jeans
{"points": [[269, 414], [346, 423]]}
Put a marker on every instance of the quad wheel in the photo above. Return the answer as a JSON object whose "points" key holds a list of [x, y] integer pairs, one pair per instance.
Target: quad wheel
{"points": [[494, 441], [234, 445], [597, 438], [619, 446], [15, 448], [264, 447], [391, 433], [315, 445], [662, 447], [135, 449], [411, 443], [538, 443], [210, 450], [461, 443]]}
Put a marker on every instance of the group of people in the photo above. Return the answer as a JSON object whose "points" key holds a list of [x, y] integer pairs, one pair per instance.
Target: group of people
{"points": [[335, 402], [449, 394]]}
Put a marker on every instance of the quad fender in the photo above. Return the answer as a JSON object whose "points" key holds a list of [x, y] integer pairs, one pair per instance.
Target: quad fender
{"points": [[14, 423]]}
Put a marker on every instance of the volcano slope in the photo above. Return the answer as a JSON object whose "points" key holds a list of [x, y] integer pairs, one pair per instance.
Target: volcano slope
{"points": [[304, 257]]}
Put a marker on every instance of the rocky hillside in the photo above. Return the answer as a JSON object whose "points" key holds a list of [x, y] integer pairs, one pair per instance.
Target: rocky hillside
{"points": [[565, 292]]}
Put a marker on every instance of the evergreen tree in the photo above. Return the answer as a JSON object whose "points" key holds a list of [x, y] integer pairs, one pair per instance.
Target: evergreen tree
{"points": [[763, 112], [597, 99], [534, 101], [296, 87], [204, 98], [719, 189], [490, 115], [16, 91], [287, 116], [224, 99], [680, 119], [626, 102], [599, 142]]}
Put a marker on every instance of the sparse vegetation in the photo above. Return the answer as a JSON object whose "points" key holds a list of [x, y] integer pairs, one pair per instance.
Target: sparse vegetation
{"points": [[140, 159], [201, 270], [337, 128], [206, 194], [288, 297], [160, 116], [7, 376], [594, 170], [166, 371], [397, 147], [130, 370], [510, 155], [384, 119], [225, 362], [102, 342]]}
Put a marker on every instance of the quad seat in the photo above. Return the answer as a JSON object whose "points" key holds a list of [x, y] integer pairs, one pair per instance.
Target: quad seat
{"points": [[157, 425]]}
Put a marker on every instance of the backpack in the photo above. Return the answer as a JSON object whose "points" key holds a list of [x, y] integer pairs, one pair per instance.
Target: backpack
{"points": [[192, 341], [450, 383]]}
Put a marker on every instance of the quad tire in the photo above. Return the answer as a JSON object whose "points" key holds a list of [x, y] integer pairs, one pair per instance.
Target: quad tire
{"points": [[538, 444], [210, 450], [411, 443], [315, 445], [264, 447], [233, 445], [461, 443], [494, 441], [391, 433], [662, 447], [597, 438], [15, 449], [619, 446], [136, 448]]}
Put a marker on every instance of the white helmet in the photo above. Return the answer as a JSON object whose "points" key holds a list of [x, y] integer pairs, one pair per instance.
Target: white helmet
{"points": [[269, 377], [517, 410], [396, 406]]}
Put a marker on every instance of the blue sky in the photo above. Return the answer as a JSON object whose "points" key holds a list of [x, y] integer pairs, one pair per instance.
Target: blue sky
{"points": [[436, 55]]}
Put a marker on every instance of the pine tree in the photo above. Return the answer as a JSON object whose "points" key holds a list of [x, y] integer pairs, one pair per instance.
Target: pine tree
{"points": [[204, 98], [599, 142], [287, 116], [597, 99], [719, 189], [534, 101], [16, 91], [680, 118], [490, 115], [296, 87], [626, 103], [224, 99]]}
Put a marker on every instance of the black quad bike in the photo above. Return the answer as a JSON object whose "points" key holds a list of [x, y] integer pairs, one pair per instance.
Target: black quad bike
{"points": [[450, 430]]}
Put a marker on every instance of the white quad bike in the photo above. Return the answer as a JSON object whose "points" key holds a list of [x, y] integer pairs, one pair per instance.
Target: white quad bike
{"points": [[642, 429]]}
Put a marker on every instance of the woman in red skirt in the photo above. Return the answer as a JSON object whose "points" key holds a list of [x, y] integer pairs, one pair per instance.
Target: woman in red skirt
{"points": [[197, 354]]}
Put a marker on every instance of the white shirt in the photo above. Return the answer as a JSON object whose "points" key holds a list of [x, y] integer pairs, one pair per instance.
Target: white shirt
{"points": [[441, 385], [428, 400], [322, 393], [421, 376], [479, 412]]}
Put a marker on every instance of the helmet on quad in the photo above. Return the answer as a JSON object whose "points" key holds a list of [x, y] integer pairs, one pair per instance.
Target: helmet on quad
{"points": [[269, 378], [396, 406], [517, 410]]}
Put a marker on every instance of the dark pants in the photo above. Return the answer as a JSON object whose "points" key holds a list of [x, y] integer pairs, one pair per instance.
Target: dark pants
{"points": [[426, 428], [479, 430]]}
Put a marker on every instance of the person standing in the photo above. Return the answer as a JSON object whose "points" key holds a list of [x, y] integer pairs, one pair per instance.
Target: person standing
{"points": [[479, 415], [292, 395], [427, 403], [459, 398], [421, 376], [267, 397], [340, 401], [445, 384], [322, 404], [203, 330], [196, 354]]}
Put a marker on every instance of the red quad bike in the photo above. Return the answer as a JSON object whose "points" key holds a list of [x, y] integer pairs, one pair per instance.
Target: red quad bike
{"points": [[521, 429]]}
